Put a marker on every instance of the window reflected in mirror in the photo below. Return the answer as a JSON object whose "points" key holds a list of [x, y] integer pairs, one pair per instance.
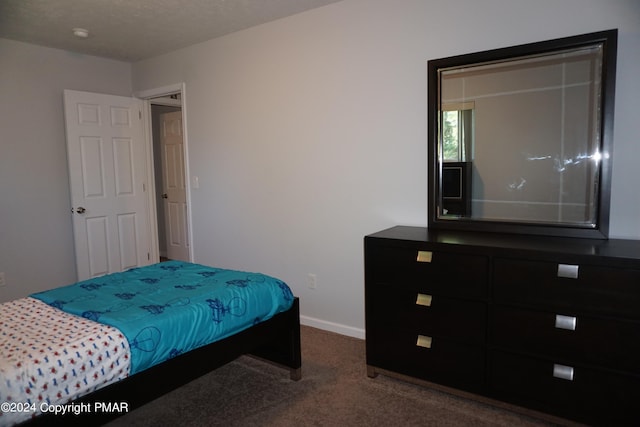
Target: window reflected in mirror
{"points": [[457, 132]]}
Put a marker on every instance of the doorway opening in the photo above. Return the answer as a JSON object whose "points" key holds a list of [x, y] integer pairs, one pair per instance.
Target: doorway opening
{"points": [[173, 96], [170, 177]]}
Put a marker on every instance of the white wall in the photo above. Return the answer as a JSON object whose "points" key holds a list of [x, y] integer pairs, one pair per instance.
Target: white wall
{"points": [[306, 133], [36, 237], [309, 132]]}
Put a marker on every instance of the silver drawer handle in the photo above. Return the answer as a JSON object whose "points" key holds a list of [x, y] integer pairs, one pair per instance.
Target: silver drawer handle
{"points": [[563, 372], [568, 271], [566, 322]]}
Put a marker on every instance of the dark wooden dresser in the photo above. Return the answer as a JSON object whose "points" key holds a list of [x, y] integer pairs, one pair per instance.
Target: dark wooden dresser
{"points": [[546, 323]]}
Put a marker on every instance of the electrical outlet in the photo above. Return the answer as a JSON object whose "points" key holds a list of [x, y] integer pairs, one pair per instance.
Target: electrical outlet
{"points": [[313, 279], [2, 282]]}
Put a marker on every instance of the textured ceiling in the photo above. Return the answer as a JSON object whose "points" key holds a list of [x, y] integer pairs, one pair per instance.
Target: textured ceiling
{"points": [[130, 30]]}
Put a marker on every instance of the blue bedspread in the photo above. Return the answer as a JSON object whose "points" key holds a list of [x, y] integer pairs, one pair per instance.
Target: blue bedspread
{"points": [[169, 308]]}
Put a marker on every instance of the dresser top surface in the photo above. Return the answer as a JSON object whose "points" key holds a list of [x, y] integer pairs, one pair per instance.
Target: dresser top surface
{"points": [[612, 248]]}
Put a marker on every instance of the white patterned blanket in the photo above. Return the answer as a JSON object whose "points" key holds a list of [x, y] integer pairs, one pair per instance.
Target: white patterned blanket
{"points": [[49, 357]]}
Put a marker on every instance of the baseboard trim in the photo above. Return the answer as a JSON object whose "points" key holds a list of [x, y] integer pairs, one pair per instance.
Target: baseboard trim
{"points": [[338, 328]]}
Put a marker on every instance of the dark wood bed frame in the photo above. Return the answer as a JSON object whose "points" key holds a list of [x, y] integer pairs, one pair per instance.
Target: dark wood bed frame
{"points": [[276, 340]]}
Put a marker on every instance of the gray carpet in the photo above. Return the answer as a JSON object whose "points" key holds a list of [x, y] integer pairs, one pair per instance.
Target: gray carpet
{"points": [[334, 391]]}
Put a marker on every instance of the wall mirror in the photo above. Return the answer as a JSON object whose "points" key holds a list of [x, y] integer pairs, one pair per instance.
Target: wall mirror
{"points": [[520, 138]]}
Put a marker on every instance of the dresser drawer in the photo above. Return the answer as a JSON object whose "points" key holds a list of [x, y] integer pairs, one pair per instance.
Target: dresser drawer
{"points": [[589, 395], [441, 272], [593, 289], [439, 360], [432, 315], [597, 341]]}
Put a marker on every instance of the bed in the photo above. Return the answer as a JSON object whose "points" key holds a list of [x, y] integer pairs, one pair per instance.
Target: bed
{"points": [[101, 347]]}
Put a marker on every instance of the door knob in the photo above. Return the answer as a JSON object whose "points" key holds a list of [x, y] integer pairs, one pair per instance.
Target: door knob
{"points": [[164, 196], [80, 210]]}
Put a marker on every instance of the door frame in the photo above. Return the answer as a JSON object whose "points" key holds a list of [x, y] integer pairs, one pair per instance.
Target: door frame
{"points": [[147, 96]]}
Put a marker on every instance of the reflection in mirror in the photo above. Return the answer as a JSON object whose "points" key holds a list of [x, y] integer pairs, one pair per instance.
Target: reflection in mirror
{"points": [[519, 140]]}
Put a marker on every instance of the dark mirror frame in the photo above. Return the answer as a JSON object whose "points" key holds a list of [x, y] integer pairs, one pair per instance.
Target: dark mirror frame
{"points": [[601, 228]]}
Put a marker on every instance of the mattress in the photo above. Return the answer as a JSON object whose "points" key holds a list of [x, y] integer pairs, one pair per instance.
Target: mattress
{"points": [[172, 307], [106, 328]]}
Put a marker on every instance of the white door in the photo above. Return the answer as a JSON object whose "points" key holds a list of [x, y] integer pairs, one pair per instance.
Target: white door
{"points": [[107, 170], [174, 189]]}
